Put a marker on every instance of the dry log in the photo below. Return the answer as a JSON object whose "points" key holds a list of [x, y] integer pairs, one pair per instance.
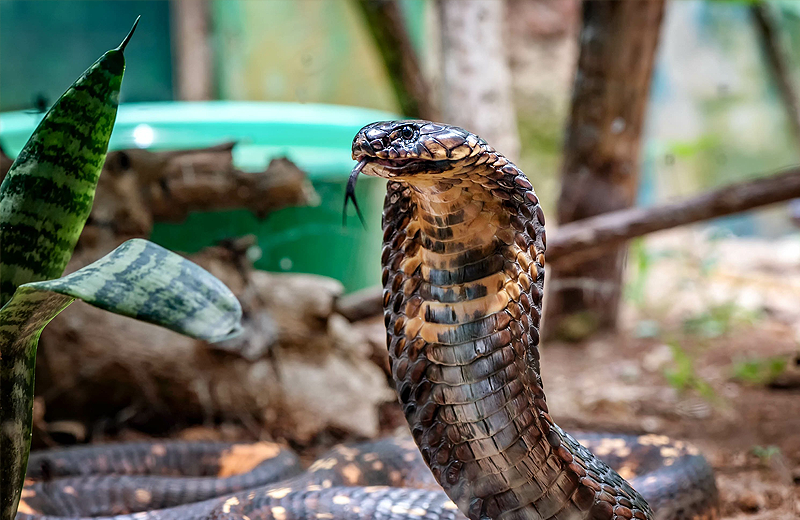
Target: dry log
{"points": [[298, 370], [175, 183], [388, 29], [282, 184], [139, 187]]}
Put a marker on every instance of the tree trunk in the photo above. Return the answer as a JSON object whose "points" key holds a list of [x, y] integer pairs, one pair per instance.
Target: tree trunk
{"points": [[768, 28], [192, 47], [476, 79], [601, 155], [385, 22]]}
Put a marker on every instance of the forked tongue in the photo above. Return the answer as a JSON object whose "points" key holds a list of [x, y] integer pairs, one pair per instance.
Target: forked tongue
{"points": [[350, 193]]}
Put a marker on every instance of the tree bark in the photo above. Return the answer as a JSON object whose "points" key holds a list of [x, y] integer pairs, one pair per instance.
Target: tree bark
{"points": [[601, 157], [476, 79], [388, 29], [193, 56], [774, 48]]}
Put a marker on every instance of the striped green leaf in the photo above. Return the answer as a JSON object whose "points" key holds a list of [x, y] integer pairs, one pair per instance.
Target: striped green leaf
{"points": [[47, 194], [45, 200], [138, 279]]}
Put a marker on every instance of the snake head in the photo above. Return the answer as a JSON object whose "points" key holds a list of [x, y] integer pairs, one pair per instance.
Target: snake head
{"points": [[398, 149], [403, 150]]}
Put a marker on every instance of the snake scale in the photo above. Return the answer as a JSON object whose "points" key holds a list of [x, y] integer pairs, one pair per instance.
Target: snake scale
{"points": [[463, 277]]}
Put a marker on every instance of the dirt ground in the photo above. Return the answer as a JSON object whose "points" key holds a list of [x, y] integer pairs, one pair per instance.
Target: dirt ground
{"points": [[749, 432], [708, 352]]}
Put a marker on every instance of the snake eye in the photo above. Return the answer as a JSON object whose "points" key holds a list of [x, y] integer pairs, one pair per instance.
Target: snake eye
{"points": [[407, 133]]}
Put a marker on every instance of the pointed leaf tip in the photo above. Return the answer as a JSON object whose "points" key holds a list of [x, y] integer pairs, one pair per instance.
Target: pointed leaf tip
{"points": [[122, 45]]}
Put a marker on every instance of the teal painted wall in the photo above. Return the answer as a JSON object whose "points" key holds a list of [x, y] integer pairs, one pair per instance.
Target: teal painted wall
{"points": [[299, 51], [264, 50], [46, 44]]}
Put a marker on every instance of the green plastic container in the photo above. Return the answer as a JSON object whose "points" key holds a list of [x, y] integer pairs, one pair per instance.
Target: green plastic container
{"points": [[315, 137]]}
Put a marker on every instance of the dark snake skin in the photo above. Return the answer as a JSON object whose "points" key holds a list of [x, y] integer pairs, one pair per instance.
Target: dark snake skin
{"points": [[463, 276]]}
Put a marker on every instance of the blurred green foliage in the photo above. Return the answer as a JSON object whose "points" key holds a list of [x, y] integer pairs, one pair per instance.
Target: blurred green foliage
{"points": [[765, 454], [682, 375], [759, 371], [542, 138], [717, 320]]}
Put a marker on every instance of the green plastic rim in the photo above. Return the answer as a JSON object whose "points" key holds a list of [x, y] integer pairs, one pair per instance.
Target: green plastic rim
{"points": [[316, 137]]}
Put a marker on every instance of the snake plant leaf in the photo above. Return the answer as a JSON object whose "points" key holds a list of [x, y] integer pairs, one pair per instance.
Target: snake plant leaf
{"points": [[47, 194], [138, 279]]}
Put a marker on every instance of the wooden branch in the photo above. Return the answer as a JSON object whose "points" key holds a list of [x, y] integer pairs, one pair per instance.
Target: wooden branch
{"points": [[139, 187], [360, 304], [591, 238], [174, 183], [388, 29], [282, 184]]}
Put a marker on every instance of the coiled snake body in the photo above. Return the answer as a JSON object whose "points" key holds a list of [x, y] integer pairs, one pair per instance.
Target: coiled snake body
{"points": [[463, 275]]}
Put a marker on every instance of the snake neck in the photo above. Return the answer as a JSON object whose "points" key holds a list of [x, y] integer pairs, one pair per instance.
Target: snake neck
{"points": [[463, 275]]}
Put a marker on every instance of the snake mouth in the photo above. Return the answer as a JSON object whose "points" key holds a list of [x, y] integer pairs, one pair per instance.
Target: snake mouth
{"points": [[387, 169], [396, 163], [393, 168]]}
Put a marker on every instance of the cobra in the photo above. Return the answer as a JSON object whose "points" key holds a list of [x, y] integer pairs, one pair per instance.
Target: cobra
{"points": [[463, 276]]}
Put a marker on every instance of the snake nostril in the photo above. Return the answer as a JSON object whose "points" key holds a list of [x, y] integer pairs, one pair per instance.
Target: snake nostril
{"points": [[360, 143]]}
